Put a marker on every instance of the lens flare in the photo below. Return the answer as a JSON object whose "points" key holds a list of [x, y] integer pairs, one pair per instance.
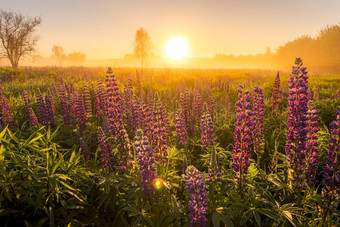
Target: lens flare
{"points": [[158, 183]]}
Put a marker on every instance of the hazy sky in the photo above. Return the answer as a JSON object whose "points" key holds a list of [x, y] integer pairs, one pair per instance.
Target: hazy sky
{"points": [[106, 28]]}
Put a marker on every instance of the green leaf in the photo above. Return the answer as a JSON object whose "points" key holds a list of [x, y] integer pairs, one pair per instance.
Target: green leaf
{"points": [[269, 213], [216, 219], [257, 217]]}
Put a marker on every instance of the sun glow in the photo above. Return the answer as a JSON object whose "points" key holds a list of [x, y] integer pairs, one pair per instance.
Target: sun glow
{"points": [[177, 48]]}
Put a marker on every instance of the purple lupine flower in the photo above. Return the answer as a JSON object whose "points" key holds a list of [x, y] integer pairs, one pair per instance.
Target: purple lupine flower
{"points": [[317, 93], [73, 105], [311, 144], [207, 128], [27, 103], [258, 112], [181, 131], [32, 117], [106, 151], [115, 118], [147, 122], [64, 105], [276, 93], [310, 94], [5, 111], [80, 110], [214, 173], [211, 106], [297, 126], [102, 96], [242, 138], [97, 101], [197, 108], [185, 104], [331, 171], [127, 107], [164, 116], [50, 107], [139, 84], [159, 132], [42, 110], [84, 150], [198, 203], [88, 105], [146, 163], [149, 98], [226, 105]]}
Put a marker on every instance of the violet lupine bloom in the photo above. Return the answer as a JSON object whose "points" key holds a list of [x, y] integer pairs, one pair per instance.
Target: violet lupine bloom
{"points": [[159, 132], [147, 122], [97, 101], [106, 151], [211, 106], [5, 111], [258, 112], [88, 104], [115, 118], [73, 105], [181, 131], [50, 106], [198, 203], [197, 107], [242, 138], [312, 144], [149, 98], [317, 93], [32, 117], [80, 110], [276, 92], [64, 105], [310, 94], [297, 126], [84, 150], [27, 101], [42, 111], [226, 105], [146, 163], [207, 128], [185, 104], [214, 173], [331, 175]]}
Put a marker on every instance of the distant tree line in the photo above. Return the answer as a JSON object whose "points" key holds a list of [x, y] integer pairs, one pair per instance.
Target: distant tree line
{"points": [[321, 53]]}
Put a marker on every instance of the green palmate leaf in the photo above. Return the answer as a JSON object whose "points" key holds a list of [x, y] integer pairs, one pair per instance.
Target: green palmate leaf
{"points": [[246, 216]]}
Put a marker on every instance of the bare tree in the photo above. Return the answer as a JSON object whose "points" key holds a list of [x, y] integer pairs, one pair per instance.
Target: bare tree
{"points": [[142, 45], [17, 35], [58, 52]]}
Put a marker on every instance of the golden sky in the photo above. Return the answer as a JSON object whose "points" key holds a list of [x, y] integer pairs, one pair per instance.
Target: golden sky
{"points": [[106, 29]]}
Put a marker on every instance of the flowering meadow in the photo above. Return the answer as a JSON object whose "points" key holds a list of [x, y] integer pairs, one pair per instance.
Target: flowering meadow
{"points": [[169, 147]]}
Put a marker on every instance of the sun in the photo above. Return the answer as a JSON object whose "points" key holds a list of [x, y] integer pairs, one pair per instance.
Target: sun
{"points": [[177, 48]]}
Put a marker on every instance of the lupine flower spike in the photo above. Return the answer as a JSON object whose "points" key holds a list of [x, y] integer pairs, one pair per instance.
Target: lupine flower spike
{"points": [[258, 112], [242, 138], [331, 175], [276, 93], [297, 126], [198, 202]]}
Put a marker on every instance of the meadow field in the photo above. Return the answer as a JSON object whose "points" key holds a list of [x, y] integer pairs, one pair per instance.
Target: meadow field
{"points": [[82, 146]]}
